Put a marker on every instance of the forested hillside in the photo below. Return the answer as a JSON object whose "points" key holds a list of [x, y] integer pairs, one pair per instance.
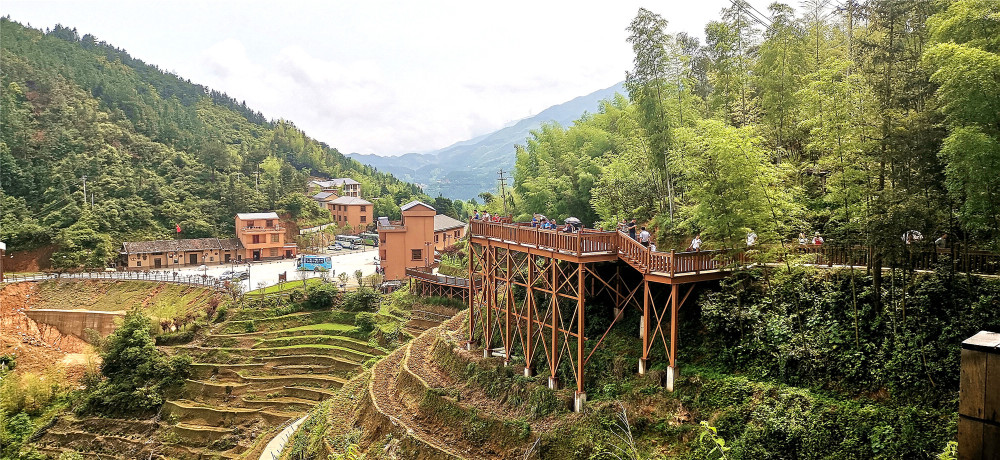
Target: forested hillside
{"points": [[861, 123], [154, 151]]}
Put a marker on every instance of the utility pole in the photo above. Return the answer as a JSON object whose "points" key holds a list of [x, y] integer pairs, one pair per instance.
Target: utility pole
{"points": [[503, 191], [84, 190]]}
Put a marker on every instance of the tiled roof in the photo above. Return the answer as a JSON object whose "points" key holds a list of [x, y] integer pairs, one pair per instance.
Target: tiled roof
{"points": [[443, 222], [257, 215], [191, 244], [321, 196], [351, 200], [415, 203]]}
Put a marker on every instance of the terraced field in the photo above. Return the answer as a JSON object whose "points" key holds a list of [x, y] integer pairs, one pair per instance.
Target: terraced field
{"points": [[244, 387]]}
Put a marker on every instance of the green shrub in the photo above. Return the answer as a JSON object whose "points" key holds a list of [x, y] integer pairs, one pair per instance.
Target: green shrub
{"points": [[363, 299], [320, 296], [135, 375]]}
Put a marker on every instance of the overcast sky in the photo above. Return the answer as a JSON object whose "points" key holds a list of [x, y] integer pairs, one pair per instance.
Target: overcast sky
{"points": [[376, 76]]}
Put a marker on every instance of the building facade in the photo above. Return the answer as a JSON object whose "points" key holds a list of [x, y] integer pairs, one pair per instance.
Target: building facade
{"points": [[145, 255], [263, 237], [343, 186], [351, 211], [411, 242]]}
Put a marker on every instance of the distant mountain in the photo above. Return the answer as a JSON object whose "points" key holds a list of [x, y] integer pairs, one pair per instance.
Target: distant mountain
{"points": [[464, 169]]}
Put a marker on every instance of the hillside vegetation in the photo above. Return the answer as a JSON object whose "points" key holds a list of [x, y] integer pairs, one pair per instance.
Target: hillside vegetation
{"points": [[861, 123], [157, 152]]}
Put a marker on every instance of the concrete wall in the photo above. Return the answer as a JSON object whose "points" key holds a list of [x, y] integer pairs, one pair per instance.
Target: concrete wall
{"points": [[74, 322]]}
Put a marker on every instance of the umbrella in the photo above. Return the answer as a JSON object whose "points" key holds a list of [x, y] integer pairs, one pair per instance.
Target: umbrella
{"points": [[573, 220]]}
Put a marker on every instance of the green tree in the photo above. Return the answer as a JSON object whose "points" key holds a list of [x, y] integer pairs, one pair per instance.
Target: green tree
{"points": [[134, 375]]}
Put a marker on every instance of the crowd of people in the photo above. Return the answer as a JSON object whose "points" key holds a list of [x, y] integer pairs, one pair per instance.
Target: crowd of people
{"points": [[643, 236]]}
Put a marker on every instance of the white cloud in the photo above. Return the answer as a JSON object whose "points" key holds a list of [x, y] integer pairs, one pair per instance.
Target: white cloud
{"points": [[380, 77]]}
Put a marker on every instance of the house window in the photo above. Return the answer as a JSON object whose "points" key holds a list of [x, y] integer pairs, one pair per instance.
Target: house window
{"points": [[274, 238], [138, 263], [274, 252], [249, 223], [256, 239], [211, 259], [416, 254], [364, 219], [456, 233], [364, 208], [270, 223], [437, 237]]}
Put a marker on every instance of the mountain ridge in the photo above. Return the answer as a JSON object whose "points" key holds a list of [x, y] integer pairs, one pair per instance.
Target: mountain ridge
{"points": [[466, 168]]}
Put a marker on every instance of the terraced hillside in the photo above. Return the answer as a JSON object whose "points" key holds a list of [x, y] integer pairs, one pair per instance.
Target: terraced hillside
{"points": [[408, 406], [250, 376]]}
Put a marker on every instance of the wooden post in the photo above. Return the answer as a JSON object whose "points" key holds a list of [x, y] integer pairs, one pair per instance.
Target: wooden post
{"points": [[553, 381], [508, 306], [644, 328], [581, 396], [672, 369], [472, 293], [979, 398], [530, 304]]}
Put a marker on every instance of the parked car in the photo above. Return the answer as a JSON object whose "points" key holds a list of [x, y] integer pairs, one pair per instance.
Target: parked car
{"points": [[235, 275], [335, 247]]}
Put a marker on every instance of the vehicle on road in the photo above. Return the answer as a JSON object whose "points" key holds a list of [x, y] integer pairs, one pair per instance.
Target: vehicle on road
{"points": [[313, 262], [369, 239], [335, 247], [235, 275], [350, 241]]}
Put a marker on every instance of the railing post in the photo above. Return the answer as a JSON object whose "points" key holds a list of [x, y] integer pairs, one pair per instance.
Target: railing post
{"points": [[673, 261]]}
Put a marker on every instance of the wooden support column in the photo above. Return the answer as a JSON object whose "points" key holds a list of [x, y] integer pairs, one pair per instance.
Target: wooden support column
{"points": [[644, 328], [581, 397], [672, 369], [491, 299], [553, 380], [508, 307], [472, 295], [529, 302]]}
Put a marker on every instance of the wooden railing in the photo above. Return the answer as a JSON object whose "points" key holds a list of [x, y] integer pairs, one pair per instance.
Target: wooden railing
{"points": [[162, 277], [581, 242], [674, 263], [426, 275]]}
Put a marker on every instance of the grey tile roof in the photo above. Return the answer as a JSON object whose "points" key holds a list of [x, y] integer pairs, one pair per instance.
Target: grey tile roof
{"points": [[257, 215], [350, 200], [190, 244], [443, 222]]}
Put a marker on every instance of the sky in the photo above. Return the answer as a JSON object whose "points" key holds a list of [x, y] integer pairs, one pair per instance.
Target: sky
{"points": [[377, 76]]}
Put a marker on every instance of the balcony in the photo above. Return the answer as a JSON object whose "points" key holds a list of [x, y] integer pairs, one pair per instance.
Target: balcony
{"points": [[276, 228]]}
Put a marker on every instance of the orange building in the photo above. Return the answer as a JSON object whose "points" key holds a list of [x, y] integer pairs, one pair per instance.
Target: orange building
{"points": [[263, 237], [144, 255], [447, 231], [352, 211], [412, 241]]}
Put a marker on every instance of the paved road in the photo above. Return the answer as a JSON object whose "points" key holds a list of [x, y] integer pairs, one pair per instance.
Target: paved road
{"points": [[266, 273]]}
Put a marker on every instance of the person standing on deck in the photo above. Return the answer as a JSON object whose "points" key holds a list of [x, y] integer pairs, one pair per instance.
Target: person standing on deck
{"points": [[695, 243], [631, 228], [644, 237]]}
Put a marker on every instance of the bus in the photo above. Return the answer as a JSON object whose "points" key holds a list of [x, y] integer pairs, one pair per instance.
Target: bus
{"points": [[307, 262], [369, 239], [349, 242]]}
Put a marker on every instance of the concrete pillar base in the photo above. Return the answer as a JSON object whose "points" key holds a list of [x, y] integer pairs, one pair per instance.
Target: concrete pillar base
{"points": [[642, 327], [579, 400], [469, 345], [553, 383], [528, 372], [643, 366], [486, 352], [671, 373]]}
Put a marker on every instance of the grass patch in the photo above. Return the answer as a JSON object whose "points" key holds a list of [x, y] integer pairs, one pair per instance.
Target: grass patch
{"points": [[320, 327], [286, 287], [159, 300]]}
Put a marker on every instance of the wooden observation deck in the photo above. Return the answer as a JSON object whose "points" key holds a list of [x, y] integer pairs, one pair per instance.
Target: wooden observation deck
{"points": [[528, 300]]}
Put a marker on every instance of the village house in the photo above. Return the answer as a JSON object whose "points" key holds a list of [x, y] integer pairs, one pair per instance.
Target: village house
{"points": [[144, 255], [343, 186], [263, 237], [411, 242], [353, 212]]}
